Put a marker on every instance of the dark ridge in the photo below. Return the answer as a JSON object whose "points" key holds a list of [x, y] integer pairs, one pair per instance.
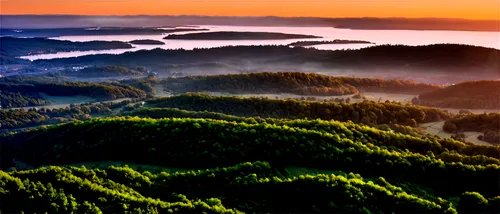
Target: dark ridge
{"points": [[229, 35]]}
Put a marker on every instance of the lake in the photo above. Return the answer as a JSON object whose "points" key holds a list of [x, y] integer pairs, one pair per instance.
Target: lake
{"points": [[380, 37]]}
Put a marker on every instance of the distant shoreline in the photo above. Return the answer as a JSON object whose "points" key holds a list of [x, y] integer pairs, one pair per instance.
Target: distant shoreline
{"points": [[76, 21]]}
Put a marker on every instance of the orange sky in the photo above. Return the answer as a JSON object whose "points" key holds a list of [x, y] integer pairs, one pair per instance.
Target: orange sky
{"points": [[468, 9]]}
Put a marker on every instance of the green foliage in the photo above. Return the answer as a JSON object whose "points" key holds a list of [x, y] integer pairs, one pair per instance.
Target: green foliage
{"points": [[408, 139], [144, 84], [21, 118], [472, 202], [79, 190], [27, 86], [16, 99], [200, 143], [368, 112], [249, 187]]}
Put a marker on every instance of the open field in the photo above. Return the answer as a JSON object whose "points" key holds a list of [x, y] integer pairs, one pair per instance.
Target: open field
{"points": [[65, 101]]}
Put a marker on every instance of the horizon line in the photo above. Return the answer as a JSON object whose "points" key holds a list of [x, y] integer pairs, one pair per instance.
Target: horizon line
{"points": [[269, 16]]}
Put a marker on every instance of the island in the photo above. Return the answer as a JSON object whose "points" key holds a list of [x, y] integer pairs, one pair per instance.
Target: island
{"points": [[146, 42], [231, 35], [337, 41], [16, 47]]}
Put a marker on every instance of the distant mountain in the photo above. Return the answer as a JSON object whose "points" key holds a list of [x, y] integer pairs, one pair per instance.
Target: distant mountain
{"points": [[67, 21]]}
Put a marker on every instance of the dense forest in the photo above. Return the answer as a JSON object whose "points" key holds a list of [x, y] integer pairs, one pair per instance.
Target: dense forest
{"points": [[368, 112], [31, 46], [293, 82], [489, 124], [246, 187], [16, 99], [9, 60], [422, 167], [104, 71], [229, 35], [468, 95], [452, 62], [29, 85], [144, 84], [159, 113]]}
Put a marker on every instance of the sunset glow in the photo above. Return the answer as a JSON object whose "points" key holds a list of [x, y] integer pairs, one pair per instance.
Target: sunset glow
{"points": [[467, 9]]}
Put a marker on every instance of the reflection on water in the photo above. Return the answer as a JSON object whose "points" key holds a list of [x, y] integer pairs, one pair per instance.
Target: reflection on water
{"points": [[403, 37]]}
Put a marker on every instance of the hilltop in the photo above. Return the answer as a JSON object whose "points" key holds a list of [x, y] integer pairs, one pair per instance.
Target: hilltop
{"points": [[468, 95]]}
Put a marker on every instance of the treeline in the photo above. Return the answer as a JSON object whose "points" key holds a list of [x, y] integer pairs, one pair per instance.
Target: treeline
{"points": [[248, 187], [16, 99], [21, 118], [469, 95], [408, 139], [144, 84], [489, 124], [159, 113], [200, 143], [368, 113], [104, 71], [293, 82], [71, 190], [29, 86]]}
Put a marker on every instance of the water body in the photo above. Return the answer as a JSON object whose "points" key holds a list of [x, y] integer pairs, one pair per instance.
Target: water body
{"points": [[380, 37]]}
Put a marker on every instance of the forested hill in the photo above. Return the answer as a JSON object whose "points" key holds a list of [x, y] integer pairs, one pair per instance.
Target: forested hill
{"points": [[104, 71], [369, 113], [293, 82], [25, 91], [399, 173], [468, 95], [452, 62]]}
